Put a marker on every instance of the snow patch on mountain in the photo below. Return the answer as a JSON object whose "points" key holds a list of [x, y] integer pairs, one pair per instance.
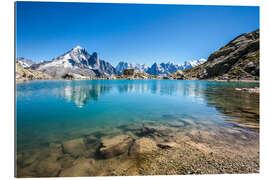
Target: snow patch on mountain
{"points": [[26, 63], [162, 69], [125, 65], [77, 61]]}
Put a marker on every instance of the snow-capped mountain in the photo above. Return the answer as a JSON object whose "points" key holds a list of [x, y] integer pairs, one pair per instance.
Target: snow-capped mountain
{"points": [[124, 65], [165, 69], [26, 63], [77, 61], [161, 69], [190, 64]]}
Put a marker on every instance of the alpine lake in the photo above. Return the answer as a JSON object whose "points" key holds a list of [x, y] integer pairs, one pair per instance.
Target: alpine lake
{"points": [[135, 127]]}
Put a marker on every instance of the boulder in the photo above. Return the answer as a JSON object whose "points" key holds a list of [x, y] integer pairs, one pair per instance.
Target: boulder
{"points": [[75, 147], [47, 168], [55, 150], [143, 145], [80, 167], [115, 146]]}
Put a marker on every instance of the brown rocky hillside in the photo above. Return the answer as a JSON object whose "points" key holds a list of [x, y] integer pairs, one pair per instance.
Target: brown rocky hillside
{"points": [[238, 60], [23, 74]]}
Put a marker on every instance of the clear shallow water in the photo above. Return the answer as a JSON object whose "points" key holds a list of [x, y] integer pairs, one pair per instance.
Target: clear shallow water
{"points": [[54, 111]]}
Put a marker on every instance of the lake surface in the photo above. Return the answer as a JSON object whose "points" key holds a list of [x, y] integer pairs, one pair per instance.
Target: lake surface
{"points": [[56, 111]]}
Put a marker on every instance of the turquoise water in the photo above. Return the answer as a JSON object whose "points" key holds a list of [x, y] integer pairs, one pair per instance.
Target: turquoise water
{"points": [[53, 111]]}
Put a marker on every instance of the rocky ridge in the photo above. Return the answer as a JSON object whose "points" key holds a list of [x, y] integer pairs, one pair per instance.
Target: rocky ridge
{"points": [[26, 63], [77, 61], [238, 60], [23, 74]]}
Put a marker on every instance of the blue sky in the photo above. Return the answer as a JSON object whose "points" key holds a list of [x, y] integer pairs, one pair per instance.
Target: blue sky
{"points": [[129, 32]]}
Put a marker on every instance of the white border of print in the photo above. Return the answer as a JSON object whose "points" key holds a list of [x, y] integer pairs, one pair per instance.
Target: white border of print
{"points": [[7, 88]]}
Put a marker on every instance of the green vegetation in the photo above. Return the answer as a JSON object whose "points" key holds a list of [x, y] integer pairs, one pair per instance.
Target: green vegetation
{"points": [[193, 71], [237, 71], [254, 58]]}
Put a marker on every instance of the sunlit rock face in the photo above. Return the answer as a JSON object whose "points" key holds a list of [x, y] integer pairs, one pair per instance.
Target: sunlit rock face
{"points": [[239, 59]]}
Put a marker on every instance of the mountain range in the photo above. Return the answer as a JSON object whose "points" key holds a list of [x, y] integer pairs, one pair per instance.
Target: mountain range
{"points": [[79, 61], [158, 69], [239, 59]]}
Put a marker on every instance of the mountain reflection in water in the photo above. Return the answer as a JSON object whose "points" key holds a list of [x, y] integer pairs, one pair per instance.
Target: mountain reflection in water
{"points": [[240, 108], [82, 94]]}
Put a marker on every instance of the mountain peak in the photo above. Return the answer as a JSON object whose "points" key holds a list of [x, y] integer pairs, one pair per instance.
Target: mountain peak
{"points": [[95, 54], [77, 47]]}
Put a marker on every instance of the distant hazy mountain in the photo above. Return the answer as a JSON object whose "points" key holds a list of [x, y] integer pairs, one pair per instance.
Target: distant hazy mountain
{"points": [[165, 69], [124, 65], [191, 64], [158, 69], [77, 61], [26, 63]]}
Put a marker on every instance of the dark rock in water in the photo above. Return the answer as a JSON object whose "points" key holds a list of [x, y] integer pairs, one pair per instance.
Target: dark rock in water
{"points": [[130, 127], [163, 146], [115, 146], [167, 145], [98, 134], [146, 131], [153, 132]]}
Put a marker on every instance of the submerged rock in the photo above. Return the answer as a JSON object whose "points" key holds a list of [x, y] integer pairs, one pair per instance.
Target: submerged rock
{"points": [[56, 151], [115, 146], [176, 124], [143, 145], [27, 158], [80, 167], [168, 145], [75, 147], [48, 168]]}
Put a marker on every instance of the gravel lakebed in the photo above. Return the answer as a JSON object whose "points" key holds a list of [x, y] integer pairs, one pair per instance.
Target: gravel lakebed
{"points": [[173, 148]]}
